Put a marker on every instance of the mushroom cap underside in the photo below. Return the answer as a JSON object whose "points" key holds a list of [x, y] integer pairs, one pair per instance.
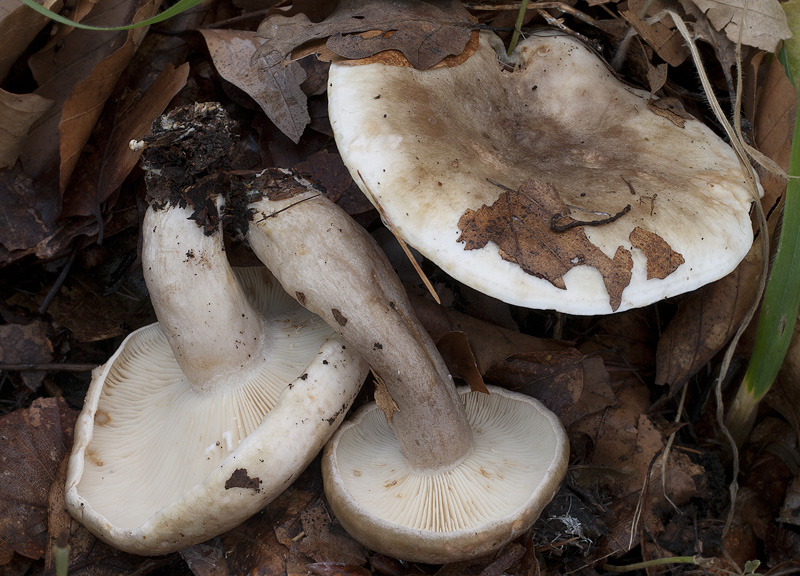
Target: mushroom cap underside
{"points": [[157, 467], [496, 493], [485, 171]]}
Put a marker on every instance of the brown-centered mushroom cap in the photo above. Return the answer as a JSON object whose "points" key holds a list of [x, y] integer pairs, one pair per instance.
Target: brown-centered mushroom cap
{"points": [[490, 169]]}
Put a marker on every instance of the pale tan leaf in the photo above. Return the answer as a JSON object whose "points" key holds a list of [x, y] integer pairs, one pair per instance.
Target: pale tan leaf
{"points": [[272, 83], [17, 113], [384, 399], [764, 25], [34, 442], [19, 25]]}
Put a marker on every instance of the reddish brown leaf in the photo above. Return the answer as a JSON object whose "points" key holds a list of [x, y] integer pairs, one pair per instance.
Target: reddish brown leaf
{"points": [[522, 225], [115, 159], [457, 354], [661, 259], [34, 442], [555, 378], [79, 73]]}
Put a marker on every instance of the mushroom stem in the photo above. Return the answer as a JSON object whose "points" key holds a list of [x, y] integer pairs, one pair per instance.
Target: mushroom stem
{"points": [[336, 270], [210, 325]]}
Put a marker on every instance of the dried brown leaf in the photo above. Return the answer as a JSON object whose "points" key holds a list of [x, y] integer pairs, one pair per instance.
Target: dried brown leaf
{"points": [[26, 343], [206, 559], [765, 21], [18, 112], [19, 25], [489, 343], [704, 323], [79, 73], [555, 378], [596, 392], [521, 224], [662, 260], [21, 225], [773, 125], [425, 32], [457, 354], [261, 545], [34, 442], [326, 541], [337, 569], [271, 82], [107, 167], [384, 399], [328, 170], [666, 41]]}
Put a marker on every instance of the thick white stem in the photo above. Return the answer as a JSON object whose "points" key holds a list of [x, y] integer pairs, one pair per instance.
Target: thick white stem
{"points": [[335, 269], [212, 328]]}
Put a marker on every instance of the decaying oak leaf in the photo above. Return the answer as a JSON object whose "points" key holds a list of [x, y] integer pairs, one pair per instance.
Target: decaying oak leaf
{"points": [[26, 343], [661, 259], [34, 442], [271, 82], [425, 32], [532, 229]]}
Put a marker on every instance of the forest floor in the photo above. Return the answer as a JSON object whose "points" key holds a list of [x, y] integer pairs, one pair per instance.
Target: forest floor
{"points": [[649, 483]]}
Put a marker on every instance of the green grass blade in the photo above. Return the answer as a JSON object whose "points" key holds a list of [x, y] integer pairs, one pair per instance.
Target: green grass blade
{"points": [[174, 10], [782, 295]]}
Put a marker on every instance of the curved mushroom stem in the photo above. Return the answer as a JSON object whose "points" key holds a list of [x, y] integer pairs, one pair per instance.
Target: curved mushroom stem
{"points": [[212, 328], [336, 270]]}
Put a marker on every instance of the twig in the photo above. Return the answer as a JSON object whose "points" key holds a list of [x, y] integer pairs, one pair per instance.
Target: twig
{"points": [[388, 222], [50, 367], [58, 283]]}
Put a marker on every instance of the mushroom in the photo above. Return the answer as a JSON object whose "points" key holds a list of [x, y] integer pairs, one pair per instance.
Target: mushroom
{"points": [[551, 185], [433, 480], [198, 421]]}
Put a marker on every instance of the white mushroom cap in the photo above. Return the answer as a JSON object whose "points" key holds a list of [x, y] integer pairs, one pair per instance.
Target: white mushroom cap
{"points": [[428, 143], [160, 461], [473, 508]]}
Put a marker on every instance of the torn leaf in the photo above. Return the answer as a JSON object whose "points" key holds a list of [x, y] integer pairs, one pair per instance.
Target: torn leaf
{"points": [[521, 224]]}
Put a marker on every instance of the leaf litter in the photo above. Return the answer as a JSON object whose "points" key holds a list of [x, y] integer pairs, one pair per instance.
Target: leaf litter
{"points": [[600, 375]]}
